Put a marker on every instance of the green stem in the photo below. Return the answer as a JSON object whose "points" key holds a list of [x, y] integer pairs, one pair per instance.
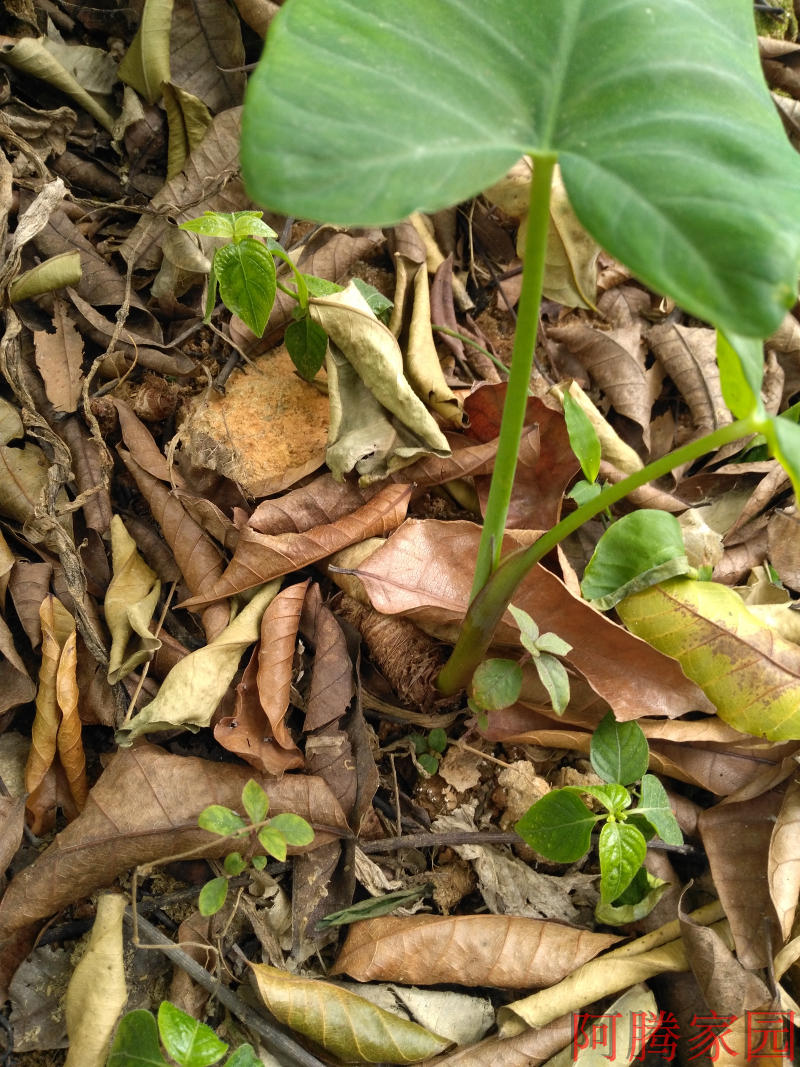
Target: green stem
{"points": [[519, 378], [488, 606]]}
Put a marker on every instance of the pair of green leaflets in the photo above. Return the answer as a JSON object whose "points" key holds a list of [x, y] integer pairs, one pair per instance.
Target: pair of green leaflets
{"points": [[186, 1041]]}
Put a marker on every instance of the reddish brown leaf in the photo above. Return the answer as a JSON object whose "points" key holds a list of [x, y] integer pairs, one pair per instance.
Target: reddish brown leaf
{"points": [[424, 572], [503, 951], [196, 554], [689, 356], [261, 557], [143, 448], [257, 730]]}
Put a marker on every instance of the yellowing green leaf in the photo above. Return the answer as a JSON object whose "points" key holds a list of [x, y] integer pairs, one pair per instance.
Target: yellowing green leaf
{"points": [[194, 687], [344, 1024], [145, 65], [130, 601], [748, 670]]}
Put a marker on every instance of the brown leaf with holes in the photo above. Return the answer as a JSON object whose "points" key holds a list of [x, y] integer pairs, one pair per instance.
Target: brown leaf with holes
{"points": [[59, 356], [144, 808], [503, 951], [261, 557], [257, 730], [195, 553]]}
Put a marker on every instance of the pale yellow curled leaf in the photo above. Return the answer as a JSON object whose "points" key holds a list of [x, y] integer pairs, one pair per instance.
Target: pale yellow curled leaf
{"points": [[188, 118], [69, 739], [57, 272], [783, 869], [344, 1024], [145, 66], [635, 1016], [97, 993], [570, 270], [190, 693], [94, 68], [749, 672], [57, 626], [411, 325], [373, 351], [59, 357], [129, 604], [30, 56]]}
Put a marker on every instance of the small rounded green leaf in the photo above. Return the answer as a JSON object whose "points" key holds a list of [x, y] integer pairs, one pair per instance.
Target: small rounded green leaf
{"points": [[189, 1042], [622, 849], [136, 1042], [212, 896], [244, 1056], [654, 806], [618, 750], [220, 820], [210, 224], [437, 740], [246, 276], [259, 862], [553, 676], [637, 551], [559, 826], [234, 864], [583, 438], [294, 828], [251, 224], [428, 762], [306, 342], [255, 801], [273, 842], [496, 684]]}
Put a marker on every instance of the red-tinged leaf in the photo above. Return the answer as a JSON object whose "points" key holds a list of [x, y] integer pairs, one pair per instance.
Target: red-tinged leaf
{"points": [[261, 557]]}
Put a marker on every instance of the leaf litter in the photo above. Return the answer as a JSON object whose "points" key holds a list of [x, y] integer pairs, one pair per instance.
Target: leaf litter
{"points": [[164, 566]]}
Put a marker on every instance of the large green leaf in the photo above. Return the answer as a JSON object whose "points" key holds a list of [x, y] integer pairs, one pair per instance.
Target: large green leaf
{"points": [[670, 148]]}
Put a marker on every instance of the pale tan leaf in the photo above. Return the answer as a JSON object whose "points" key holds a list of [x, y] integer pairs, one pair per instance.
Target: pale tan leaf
{"points": [[344, 1024], [190, 693], [260, 557], [16, 685], [504, 951], [55, 272], [69, 740], [783, 865], [129, 604], [188, 119], [97, 992], [145, 66]]}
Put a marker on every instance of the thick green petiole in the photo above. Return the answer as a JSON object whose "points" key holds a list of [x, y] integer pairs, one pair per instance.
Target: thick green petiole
{"points": [[519, 376], [488, 606]]}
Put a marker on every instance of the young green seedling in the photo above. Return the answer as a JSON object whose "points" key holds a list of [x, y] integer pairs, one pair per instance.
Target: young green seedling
{"points": [[273, 835], [560, 825], [187, 1042], [429, 750], [669, 147]]}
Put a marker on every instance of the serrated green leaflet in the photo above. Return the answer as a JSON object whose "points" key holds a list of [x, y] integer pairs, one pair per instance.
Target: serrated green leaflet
{"points": [[654, 806], [189, 1042], [669, 145], [622, 849], [306, 342], [635, 552], [618, 750], [245, 272], [559, 826]]}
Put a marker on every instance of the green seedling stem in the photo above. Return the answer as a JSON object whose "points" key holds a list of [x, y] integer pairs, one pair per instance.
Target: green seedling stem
{"points": [[490, 602], [519, 378]]}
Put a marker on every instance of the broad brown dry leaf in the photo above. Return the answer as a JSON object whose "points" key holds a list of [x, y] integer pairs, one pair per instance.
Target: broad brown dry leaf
{"points": [[531, 1048], [59, 356], [424, 571], [736, 838], [689, 356], [503, 951], [143, 808], [261, 557]]}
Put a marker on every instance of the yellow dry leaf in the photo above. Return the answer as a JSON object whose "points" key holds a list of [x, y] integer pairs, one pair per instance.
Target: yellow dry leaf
{"points": [[129, 604]]}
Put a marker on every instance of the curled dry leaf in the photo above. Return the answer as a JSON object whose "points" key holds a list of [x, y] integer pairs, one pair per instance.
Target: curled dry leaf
{"points": [[144, 807], [257, 731], [190, 693], [504, 951], [195, 553], [749, 671], [16, 685], [129, 604], [260, 557], [97, 992], [783, 865], [344, 1024]]}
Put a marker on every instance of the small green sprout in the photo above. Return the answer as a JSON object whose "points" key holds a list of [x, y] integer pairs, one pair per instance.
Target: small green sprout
{"points": [[429, 750]]}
